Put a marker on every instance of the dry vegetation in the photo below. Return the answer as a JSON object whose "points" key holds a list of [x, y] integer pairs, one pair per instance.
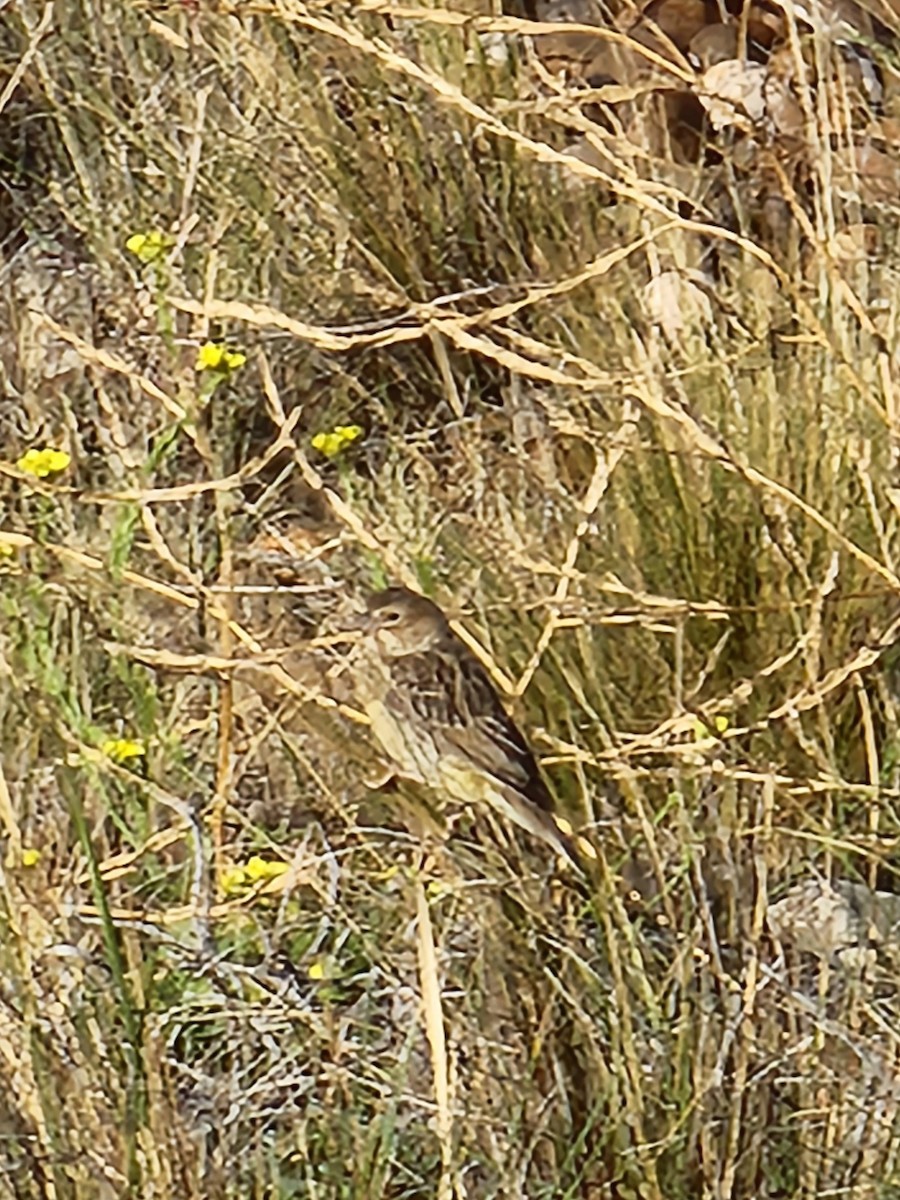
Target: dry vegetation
{"points": [[630, 413]]}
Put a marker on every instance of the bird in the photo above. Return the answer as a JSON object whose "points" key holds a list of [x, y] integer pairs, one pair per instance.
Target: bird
{"points": [[440, 721]]}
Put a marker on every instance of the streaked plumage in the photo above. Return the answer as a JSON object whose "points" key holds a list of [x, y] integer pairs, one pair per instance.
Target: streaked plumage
{"points": [[438, 718]]}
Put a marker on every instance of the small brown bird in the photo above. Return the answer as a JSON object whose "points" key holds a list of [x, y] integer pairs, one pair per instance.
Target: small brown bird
{"points": [[438, 718]]}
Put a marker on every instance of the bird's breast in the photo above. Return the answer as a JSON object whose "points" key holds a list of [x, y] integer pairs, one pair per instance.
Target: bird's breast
{"points": [[411, 749]]}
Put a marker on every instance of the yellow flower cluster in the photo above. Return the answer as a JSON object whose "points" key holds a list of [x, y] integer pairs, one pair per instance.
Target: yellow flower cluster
{"points": [[331, 444], [30, 856], [42, 463], [151, 246], [120, 750], [236, 878], [215, 356]]}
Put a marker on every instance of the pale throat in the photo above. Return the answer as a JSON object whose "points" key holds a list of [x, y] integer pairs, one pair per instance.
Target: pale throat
{"points": [[412, 642]]}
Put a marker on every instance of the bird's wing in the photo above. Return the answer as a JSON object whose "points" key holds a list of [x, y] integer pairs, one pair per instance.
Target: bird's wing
{"points": [[448, 689]]}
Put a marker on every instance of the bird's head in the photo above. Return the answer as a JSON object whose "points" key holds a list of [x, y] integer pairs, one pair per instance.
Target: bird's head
{"points": [[402, 622]]}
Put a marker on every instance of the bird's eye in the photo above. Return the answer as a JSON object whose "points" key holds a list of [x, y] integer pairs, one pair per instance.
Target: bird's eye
{"points": [[391, 617]]}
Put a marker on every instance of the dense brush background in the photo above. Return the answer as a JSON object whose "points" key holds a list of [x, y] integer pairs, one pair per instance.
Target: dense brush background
{"points": [[636, 429]]}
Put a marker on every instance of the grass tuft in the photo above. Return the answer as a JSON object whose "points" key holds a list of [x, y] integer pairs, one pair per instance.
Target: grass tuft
{"points": [[300, 301]]}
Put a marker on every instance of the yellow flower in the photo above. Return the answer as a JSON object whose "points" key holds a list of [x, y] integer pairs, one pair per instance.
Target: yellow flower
{"points": [[233, 879], [6, 550], [42, 463], [121, 749], [317, 970], [30, 856], [149, 247], [702, 731], [214, 356], [261, 868], [331, 444], [236, 878]]}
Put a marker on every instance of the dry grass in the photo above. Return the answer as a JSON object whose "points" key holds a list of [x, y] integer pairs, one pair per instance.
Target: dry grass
{"points": [[640, 533]]}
